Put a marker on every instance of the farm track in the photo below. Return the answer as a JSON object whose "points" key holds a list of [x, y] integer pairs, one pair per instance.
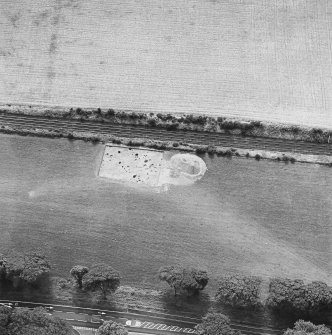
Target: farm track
{"points": [[133, 131]]}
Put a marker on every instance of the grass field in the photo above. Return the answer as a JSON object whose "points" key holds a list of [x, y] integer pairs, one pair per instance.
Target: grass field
{"points": [[267, 60], [262, 218]]}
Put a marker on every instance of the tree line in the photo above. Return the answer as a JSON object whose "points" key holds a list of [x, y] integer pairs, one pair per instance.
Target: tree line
{"points": [[25, 321], [234, 289], [214, 323]]}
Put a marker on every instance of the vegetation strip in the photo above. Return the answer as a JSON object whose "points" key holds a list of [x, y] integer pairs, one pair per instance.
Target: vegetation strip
{"points": [[201, 123], [137, 131], [283, 295], [171, 145]]}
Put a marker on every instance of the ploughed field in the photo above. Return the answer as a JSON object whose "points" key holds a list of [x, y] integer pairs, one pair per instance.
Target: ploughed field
{"points": [[268, 60], [264, 218]]}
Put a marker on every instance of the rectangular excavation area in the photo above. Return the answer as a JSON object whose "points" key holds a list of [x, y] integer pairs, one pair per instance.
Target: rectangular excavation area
{"points": [[133, 165]]}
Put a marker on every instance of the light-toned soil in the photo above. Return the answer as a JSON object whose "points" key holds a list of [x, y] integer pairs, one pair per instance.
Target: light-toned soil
{"points": [[146, 167], [135, 166], [267, 60]]}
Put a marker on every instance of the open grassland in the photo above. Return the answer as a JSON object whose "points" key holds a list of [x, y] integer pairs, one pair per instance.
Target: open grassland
{"points": [[244, 216], [265, 60]]}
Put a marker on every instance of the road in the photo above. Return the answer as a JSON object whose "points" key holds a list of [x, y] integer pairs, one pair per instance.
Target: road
{"points": [[131, 131], [135, 321]]}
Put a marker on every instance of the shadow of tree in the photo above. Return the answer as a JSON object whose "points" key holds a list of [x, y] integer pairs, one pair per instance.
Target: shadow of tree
{"points": [[197, 304]]}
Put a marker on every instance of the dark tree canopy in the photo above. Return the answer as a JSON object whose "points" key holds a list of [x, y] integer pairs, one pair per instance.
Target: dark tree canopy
{"points": [[294, 295], [319, 296], [190, 280], [239, 291], [35, 265], [78, 271], [28, 266], [2, 267], [24, 321], [5, 313], [302, 328], [101, 277], [112, 328], [172, 276], [215, 324], [286, 294]]}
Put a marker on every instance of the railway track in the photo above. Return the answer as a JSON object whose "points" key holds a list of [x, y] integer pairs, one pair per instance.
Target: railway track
{"points": [[132, 131]]}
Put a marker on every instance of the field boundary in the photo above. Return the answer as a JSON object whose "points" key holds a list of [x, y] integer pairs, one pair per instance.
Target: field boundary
{"points": [[286, 157]]}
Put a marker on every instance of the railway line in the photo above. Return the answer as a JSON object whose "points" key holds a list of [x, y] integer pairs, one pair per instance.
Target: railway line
{"points": [[133, 131]]}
